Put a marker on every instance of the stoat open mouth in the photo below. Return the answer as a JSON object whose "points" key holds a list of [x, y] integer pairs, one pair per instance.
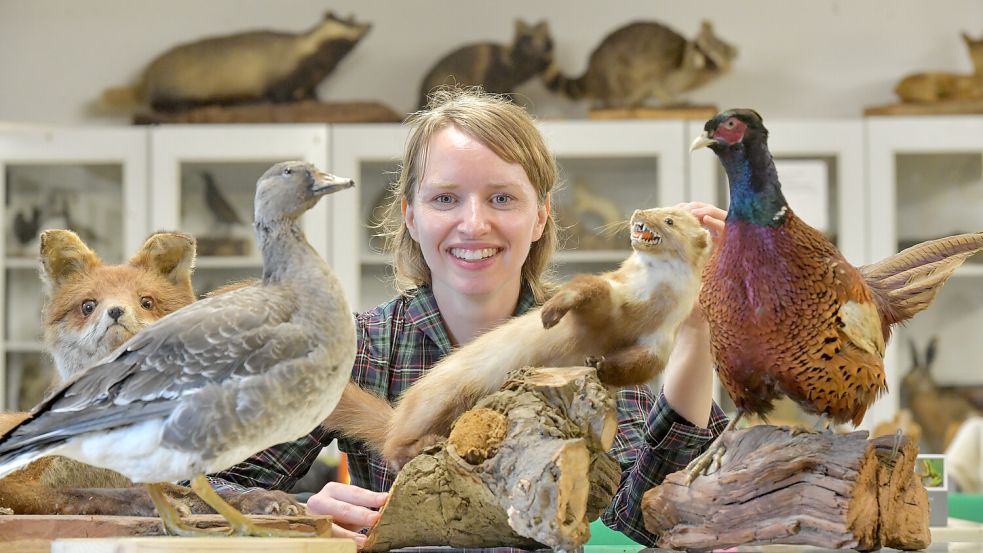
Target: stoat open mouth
{"points": [[640, 232]]}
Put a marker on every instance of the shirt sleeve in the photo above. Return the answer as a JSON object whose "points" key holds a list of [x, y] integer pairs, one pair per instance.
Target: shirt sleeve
{"points": [[276, 468], [649, 449]]}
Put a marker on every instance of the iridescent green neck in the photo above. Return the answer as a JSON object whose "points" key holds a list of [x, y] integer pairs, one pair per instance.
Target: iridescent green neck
{"points": [[755, 192]]}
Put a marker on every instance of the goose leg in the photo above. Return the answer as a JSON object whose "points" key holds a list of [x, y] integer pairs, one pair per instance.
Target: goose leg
{"points": [[239, 524], [169, 516]]}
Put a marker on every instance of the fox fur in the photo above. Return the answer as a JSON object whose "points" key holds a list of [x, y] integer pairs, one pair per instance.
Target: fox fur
{"points": [[624, 322]]}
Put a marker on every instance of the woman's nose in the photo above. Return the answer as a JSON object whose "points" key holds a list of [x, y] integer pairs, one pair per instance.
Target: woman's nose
{"points": [[474, 221]]}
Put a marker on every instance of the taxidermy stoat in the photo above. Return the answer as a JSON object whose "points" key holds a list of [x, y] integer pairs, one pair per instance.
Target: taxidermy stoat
{"points": [[625, 321]]}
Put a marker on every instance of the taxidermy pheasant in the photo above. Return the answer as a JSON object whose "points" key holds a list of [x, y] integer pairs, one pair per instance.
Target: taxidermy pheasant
{"points": [[789, 316], [210, 384]]}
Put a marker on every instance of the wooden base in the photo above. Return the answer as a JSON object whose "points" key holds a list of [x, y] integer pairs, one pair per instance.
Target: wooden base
{"points": [[675, 112], [204, 545], [527, 466], [29, 533], [308, 111], [778, 486], [948, 107]]}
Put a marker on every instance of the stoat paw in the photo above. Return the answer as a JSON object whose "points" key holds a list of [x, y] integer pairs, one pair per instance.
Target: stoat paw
{"points": [[554, 309], [595, 362], [257, 501], [400, 455]]}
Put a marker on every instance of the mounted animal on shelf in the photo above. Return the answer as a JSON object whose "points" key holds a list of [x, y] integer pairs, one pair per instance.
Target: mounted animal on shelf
{"points": [[938, 409], [495, 67], [243, 67], [645, 60], [941, 86]]}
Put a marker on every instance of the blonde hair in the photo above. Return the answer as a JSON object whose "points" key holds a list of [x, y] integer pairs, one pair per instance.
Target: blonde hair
{"points": [[508, 131]]}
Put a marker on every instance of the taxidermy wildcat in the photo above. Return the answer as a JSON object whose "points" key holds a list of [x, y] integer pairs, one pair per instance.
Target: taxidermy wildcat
{"points": [[495, 67], [242, 67], [625, 321], [643, 60], [934, 86]]}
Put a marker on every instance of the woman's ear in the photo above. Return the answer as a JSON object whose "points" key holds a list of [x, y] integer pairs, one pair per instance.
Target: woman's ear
{"points": [[409, 217], [542, 215]]}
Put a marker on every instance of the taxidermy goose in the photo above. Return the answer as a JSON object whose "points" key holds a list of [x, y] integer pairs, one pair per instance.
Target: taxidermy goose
{"points": [[212, 383]]}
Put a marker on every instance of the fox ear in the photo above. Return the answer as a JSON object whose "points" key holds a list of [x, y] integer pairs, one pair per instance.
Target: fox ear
{"points": [[172, 254], [64, 254]]}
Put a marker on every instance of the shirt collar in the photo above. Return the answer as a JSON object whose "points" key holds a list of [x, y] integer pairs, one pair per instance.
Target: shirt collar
{"points": [[422, 312]]}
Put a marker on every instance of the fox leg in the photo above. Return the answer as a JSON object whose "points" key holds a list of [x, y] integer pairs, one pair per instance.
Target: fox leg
{"points": [[589, 295]]}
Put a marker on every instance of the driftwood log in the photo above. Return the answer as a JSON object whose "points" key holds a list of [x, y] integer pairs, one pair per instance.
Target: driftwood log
{"points": [[776, 486], [527, 467]]}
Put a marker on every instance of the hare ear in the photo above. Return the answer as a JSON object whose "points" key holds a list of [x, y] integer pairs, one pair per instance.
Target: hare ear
{"points": [[930, 351], [63, 255], [915, 364], [171, 254]]}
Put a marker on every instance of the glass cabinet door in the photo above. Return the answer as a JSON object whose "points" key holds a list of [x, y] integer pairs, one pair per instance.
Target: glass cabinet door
{"points": [[90, 181], [371, 154], [203, 183], [926, 178], [821, 167], [608, 169]]}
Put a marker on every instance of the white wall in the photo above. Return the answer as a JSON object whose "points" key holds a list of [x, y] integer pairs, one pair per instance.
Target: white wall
{"points": [[819, 58]]}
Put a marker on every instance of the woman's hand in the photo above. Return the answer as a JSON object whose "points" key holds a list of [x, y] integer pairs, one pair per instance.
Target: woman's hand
{"points": [[710, 216], [350, 507]]}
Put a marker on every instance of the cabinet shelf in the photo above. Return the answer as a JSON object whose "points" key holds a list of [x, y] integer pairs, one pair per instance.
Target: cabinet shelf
{"points": [[24, 346]]}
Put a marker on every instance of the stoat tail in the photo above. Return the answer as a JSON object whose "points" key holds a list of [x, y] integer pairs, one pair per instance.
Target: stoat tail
{"points": [[361, 415]]}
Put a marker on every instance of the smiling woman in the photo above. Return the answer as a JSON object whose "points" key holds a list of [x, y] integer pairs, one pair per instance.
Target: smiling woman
{"points": [[471, 234]]}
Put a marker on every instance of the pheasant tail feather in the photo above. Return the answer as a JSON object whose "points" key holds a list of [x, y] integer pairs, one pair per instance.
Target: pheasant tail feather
{"points": [[907, 282]]}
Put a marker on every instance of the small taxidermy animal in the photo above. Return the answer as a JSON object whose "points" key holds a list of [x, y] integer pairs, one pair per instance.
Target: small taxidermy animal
{"points": [[625, 321], [935, 86], [497, 68], [242, 67], [643, 60]]}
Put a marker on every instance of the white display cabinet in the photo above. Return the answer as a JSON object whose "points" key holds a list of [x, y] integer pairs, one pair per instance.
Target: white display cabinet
{"points": [[821, 166], [203, 180], [926, 181], [607, 170], [92, 181]]}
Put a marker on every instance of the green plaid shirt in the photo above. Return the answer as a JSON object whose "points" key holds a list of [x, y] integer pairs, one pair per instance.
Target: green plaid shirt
{"points": [[400, 340]]}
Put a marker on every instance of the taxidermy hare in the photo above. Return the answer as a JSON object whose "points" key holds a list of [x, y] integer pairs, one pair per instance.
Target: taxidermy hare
{"points": [[495, 67], [242, 67], [643, 60]]}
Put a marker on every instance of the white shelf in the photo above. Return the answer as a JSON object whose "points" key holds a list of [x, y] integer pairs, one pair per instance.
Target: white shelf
{"points": [[23, 346], [228, 262], [969, 270], [592, 256], [21, 263]]}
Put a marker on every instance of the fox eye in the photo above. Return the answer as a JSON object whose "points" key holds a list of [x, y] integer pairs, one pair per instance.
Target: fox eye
{"points": [[88, 306], [669, 221], [147, 303]]}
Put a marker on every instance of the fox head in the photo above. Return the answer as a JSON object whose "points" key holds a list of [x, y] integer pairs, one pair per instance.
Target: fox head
{"points": [[92, 308]]}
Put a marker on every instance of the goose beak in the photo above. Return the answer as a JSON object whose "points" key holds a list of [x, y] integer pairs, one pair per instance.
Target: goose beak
{"points": [[701, 141], [326, 183]]}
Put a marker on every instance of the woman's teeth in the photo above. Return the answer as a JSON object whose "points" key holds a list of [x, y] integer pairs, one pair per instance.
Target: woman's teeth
{"points": [[473, 255]]}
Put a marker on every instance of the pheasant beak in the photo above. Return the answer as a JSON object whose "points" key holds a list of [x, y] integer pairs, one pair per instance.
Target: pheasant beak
{"points": [[701, 141], [326, 183]]}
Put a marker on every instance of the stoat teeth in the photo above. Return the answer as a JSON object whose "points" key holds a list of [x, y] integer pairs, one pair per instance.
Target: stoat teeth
{"points": [[472, 255]]}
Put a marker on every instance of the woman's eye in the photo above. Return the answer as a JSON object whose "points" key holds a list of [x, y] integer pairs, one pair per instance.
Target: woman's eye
{"points": [[88, 306], [501, 199], [147, 303], [443, 199]]}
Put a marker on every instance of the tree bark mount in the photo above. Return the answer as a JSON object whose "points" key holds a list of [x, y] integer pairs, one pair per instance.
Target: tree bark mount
{"points": [[776, 485], [527, 467]]}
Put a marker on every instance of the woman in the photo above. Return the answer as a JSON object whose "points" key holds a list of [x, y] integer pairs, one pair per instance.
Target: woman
{"points": [[472, 233]]}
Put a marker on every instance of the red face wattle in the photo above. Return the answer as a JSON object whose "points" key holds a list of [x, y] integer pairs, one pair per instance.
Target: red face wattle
{"points": [[730, 131]]}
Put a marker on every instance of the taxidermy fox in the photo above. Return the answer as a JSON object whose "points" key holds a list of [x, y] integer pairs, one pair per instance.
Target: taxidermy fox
{"points": [[937, 86], [624, 321], [91, 309], [243, 67]]}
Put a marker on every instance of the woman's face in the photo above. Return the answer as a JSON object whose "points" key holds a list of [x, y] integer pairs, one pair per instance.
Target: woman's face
{"points": [[474, 215]]}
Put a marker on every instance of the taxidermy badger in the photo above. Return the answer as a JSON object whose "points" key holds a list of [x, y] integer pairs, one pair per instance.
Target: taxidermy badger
{"points": [[243, 67]]}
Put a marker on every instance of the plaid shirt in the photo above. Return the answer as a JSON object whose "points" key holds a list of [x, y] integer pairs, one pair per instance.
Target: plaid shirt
{"points": [[400, 340]]}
